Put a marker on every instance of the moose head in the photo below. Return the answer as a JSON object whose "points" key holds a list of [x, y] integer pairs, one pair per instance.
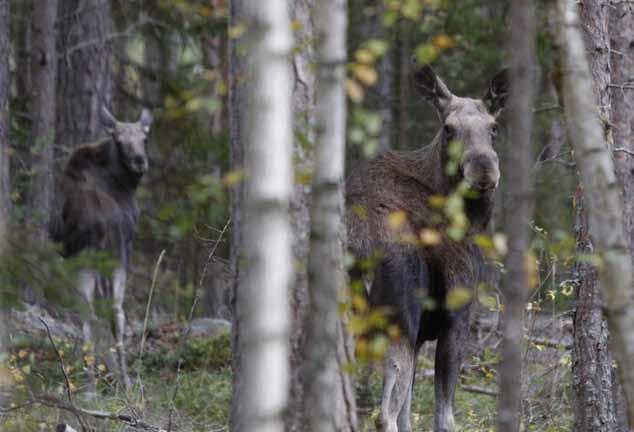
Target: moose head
{"points": [[130, 139], [472, 122]]}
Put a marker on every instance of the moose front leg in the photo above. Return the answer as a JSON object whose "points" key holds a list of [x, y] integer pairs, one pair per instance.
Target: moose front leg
{"points": [[86, 285], [399, 369], [449, 353], [119, 282]]}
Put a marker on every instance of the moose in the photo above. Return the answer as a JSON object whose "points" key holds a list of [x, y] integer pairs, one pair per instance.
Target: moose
{"points": [[97, 209], [407, 275]]}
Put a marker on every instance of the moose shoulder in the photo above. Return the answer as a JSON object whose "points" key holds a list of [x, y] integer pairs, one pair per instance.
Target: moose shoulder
{"points": [[96, 208], [407, 272]]}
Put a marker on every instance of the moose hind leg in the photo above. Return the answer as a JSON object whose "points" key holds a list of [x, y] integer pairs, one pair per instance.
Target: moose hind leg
{"points": [[449, 353], [118, 294], [399, 369]]}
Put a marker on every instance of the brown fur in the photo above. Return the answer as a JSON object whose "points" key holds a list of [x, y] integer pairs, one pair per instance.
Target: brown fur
{"points": [[96, 208], [408, 273]]}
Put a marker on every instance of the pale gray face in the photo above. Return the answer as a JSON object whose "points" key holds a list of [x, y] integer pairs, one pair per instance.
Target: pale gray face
{"points": [[131, 139], [469, 122], [472, 122]]}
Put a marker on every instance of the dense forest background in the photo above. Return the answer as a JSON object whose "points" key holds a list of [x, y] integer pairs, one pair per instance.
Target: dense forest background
{"points": [[67, 58]]}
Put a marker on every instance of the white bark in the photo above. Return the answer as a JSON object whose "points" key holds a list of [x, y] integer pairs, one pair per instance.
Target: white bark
{"points": [[325, 261], [601, 192], [262, 302]]}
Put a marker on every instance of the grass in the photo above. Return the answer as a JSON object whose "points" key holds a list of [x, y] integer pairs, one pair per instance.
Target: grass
{"points": [[202, 402]]}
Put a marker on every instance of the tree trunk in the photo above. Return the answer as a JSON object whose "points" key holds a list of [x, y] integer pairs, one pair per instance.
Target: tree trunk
{"points": [[261, 298], [518, 180], [5, 202], [238, 88], [325, 407], [621, 27], [304, 111], [5, 80], [85, 69], [594, 404], [43, 71], [592, 363]]}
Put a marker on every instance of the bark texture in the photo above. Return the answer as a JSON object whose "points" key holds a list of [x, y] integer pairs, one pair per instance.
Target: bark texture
{"points": [[262, 295], [238, 104], [43, 71], [326, 405], [519, 186], [592, 363], [85, 69], [5, 48], [621, 25], [602, 202], [303, 79], [622, 115]]}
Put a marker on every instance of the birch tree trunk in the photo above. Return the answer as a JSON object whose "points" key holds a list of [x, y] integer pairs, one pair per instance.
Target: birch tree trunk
{"points": [[43, 71], [324, 394], [262, 302], [602, 198], [518, 180]]}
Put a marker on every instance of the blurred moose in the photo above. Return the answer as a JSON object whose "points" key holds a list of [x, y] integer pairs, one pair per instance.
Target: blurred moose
{"points": [[98, 210], [410, 274]]}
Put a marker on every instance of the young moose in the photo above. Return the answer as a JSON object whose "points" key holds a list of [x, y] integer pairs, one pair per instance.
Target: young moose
{"points": [[99, 210], [408, 273]]}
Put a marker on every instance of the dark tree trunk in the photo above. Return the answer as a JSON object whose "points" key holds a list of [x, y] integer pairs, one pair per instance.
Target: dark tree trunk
{"points": [[43, 71], [592, 363], [237, 105], [622, 121], [85, 69], [5, 49], [518, 180], [592, 373]]}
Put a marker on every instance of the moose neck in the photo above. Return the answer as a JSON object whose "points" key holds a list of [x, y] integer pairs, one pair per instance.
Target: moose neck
{"points": [[428, 166], [119, 175]]}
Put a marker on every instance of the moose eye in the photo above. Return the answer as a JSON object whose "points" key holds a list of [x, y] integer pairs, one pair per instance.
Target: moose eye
{"points": [[494, 130]]}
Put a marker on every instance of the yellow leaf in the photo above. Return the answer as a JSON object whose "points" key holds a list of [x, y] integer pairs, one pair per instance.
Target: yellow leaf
{"points": [[366, 74], [359, 302], [396, 219], [457, 298], [232, 177], [500, 243], [436, 201], [23, 353], [430, 237], [296, 25], [89, 360], [354, 91], [101, 367], [365, 56], [236, 31], [443, 41]]}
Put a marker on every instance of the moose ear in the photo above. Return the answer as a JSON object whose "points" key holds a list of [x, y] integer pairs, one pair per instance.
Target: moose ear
{"points": [[107, 119], [146, 119], [495, 98], [432, 88]]}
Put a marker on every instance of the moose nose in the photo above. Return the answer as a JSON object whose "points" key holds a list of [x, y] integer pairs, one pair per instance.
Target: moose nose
{"points": [[140, 163]]}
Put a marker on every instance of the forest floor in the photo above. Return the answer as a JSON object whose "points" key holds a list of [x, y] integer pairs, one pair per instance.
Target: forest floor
{"points": [[198, 397]]}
